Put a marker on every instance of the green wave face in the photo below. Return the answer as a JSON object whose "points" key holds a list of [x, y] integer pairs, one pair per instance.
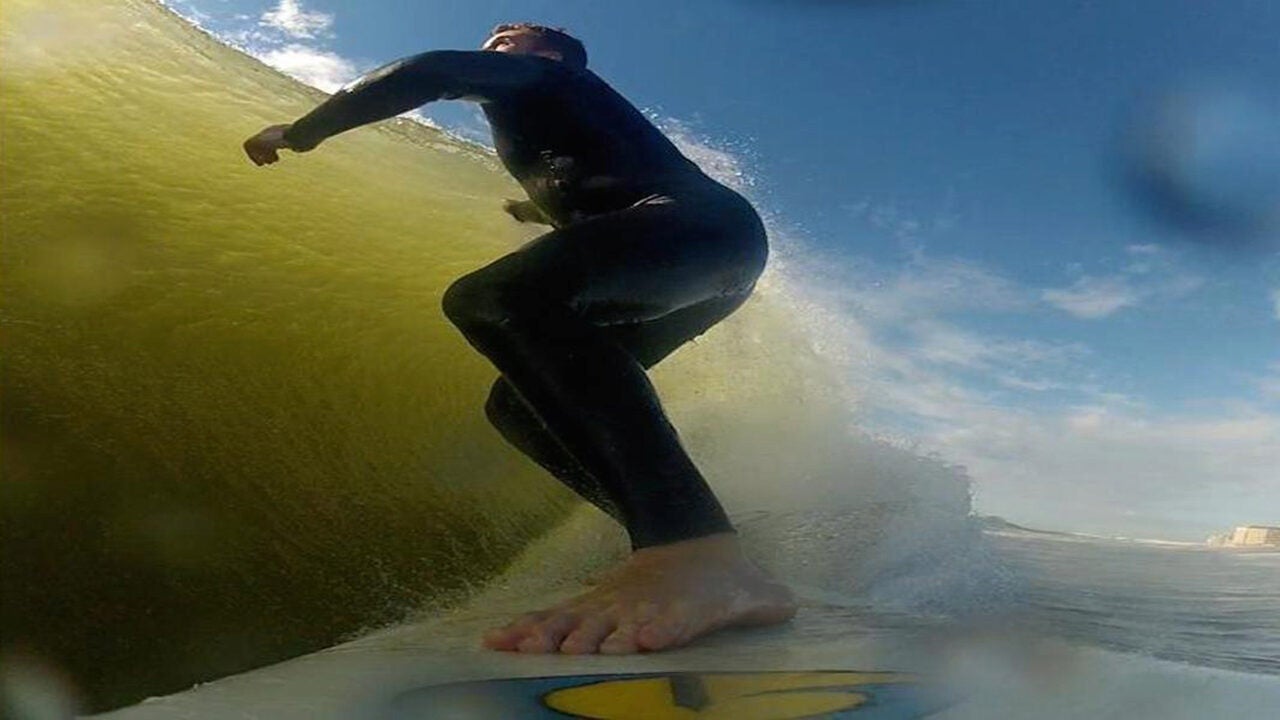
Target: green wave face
{"points": [[236, 425], [235, 422]]}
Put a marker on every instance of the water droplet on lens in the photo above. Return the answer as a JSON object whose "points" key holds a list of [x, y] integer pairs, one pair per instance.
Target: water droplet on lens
{"points": [[1206, 158]]}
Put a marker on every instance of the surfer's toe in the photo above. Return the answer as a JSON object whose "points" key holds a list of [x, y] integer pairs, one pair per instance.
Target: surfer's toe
{"points": [[509, 636], [621, 641], [587, 636], [547, 635]]}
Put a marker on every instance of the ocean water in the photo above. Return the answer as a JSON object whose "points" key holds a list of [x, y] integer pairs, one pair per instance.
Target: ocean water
{"points": [[1181, 602]]}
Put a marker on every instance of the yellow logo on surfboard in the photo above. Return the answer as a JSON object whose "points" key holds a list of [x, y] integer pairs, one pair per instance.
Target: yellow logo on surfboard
{"points": [[719, 696], [779, 695]]}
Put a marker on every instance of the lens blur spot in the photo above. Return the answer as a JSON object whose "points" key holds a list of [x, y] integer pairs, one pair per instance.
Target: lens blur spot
{"points": [[32, 689], [1206, 157]]}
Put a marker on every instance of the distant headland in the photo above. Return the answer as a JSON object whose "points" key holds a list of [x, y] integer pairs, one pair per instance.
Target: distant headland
{"points": [[997, 524]]}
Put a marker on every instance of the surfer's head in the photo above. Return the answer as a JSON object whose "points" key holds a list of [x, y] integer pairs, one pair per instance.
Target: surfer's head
{"points": [[531, 39]]}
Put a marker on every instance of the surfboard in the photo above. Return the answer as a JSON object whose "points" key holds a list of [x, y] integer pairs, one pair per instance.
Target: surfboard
{"points": [[435, 669], [834, 660]]}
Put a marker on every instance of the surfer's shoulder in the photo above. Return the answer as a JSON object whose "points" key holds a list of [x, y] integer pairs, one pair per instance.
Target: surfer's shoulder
{"points": [[481, 74], [482, 59]]}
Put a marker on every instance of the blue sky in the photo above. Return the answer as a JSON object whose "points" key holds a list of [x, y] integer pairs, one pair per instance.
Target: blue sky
{"points": [[953, 179]]}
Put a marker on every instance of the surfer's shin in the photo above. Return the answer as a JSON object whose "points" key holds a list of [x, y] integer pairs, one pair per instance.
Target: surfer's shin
{"points": [[520, 426]]}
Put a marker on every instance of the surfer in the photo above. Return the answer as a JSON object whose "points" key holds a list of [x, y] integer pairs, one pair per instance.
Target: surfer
{"points": [[646, 253]]}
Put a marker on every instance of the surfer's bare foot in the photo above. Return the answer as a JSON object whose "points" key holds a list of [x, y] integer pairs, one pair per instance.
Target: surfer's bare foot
{"points": [[661, 597]]}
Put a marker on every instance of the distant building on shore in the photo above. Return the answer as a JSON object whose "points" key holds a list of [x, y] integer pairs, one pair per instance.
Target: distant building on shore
{"points": [[1249, 536]]}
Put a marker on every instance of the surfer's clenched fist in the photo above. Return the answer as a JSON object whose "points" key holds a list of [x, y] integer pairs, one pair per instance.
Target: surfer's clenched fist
{"points": [[263, 148], [525, 211]]}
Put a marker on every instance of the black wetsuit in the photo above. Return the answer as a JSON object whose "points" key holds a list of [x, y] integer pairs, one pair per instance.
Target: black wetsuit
{"points": [[647, 253]]}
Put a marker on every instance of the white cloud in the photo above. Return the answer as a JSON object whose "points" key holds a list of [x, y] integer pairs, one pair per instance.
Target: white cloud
{"points": [[1091, 297], [289, 18], [1015, 382], [1269, 383], [1043, 437], [944, 344], [906, 226], [1076, 467], [897, 331], [1152, 273], [1090, 461], [274, 39], [928, 286], [1145, 249], [318, 68]]}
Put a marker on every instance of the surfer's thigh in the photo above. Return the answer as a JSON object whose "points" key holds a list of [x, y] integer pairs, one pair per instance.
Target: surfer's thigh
{"points": [[640, 264], [651, 341]]}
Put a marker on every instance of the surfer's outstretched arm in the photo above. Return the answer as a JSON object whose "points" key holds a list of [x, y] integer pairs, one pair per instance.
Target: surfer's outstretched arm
{"points": [[409, 82], [399, 87]]}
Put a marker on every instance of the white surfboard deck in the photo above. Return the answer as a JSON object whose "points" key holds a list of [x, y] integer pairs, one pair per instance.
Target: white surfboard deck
{"points": [[825, 663]]}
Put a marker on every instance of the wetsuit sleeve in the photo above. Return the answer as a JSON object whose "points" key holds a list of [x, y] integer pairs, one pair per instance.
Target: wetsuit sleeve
{"points": [[409, 82]]}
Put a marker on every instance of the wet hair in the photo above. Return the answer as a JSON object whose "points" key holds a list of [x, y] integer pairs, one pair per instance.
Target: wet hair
{"points": [[570, 48]]}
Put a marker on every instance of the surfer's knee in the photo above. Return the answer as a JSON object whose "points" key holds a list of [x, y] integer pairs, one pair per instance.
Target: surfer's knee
{"points": [[478, 300]]}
